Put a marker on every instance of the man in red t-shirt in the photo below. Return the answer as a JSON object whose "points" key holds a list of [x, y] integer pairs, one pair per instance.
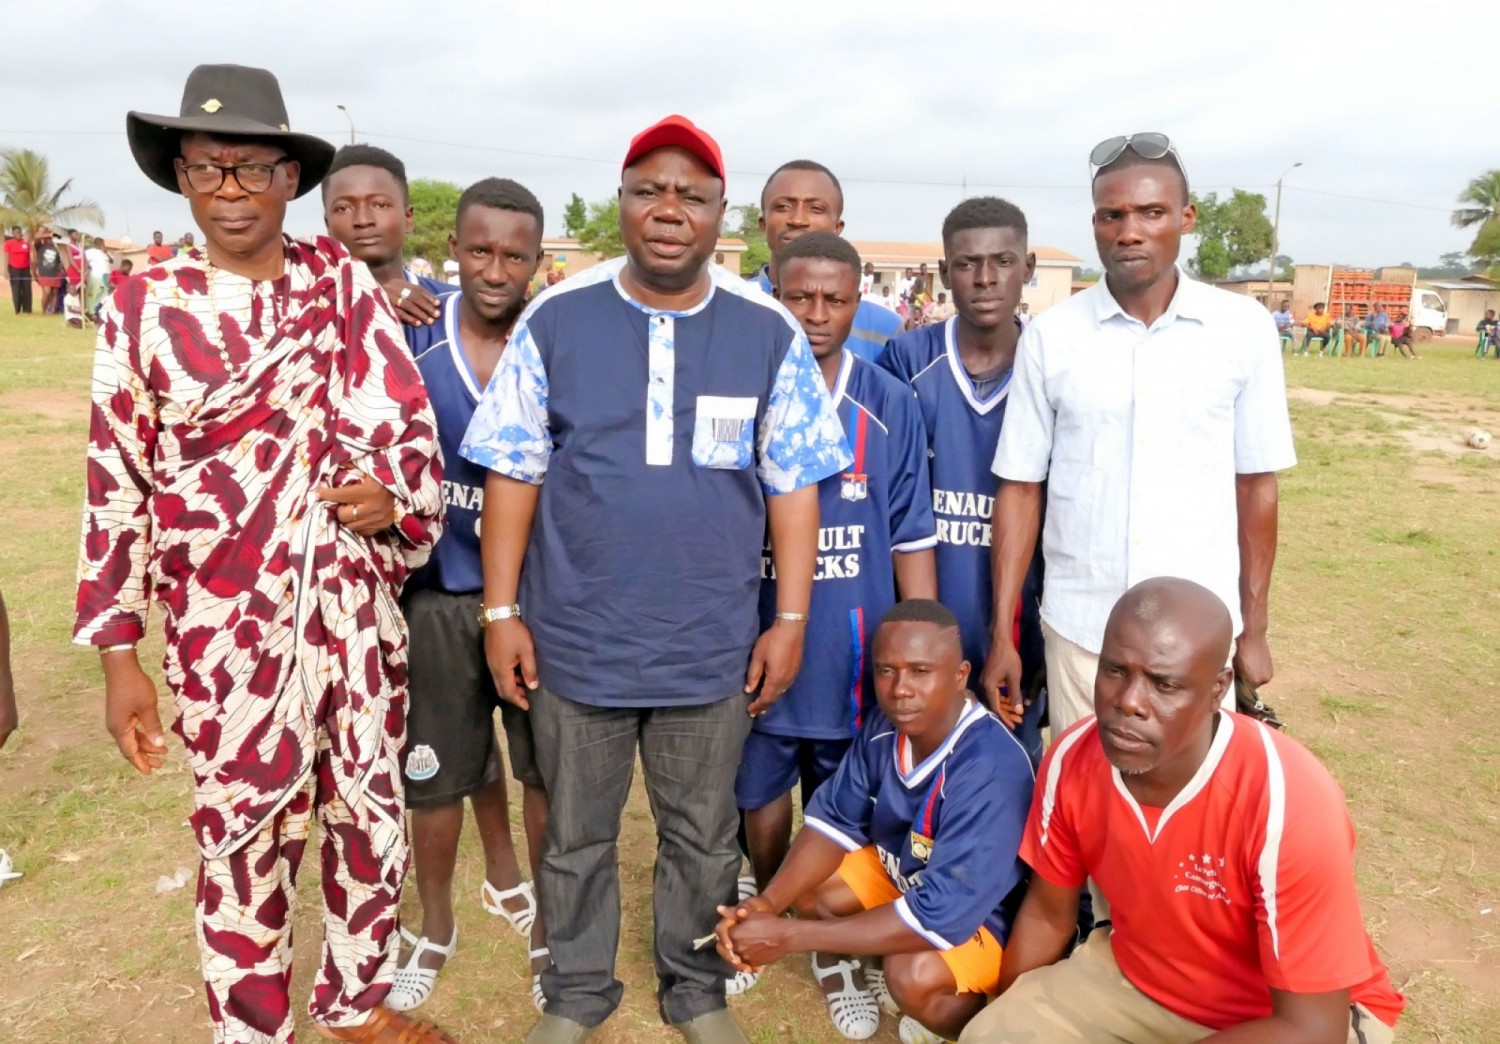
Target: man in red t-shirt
{"points": [[1224, 848], [158, 251], [18, 268]]}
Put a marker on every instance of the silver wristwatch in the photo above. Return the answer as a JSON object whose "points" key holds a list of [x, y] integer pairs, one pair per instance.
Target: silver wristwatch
{"points": [[498, 612]]}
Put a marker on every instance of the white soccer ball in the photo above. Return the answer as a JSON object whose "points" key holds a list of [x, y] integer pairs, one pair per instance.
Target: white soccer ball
{"points": [[1479, 439]]}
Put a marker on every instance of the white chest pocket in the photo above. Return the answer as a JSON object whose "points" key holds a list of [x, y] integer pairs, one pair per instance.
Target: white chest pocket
{"points": [[724, 432]]}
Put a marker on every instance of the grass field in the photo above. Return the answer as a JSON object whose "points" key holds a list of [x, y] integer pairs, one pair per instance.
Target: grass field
{"points": [[1384, 612]]}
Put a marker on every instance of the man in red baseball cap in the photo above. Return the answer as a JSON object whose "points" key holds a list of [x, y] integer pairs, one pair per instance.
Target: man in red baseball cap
{"points": [[695, 407], [684, 134]]}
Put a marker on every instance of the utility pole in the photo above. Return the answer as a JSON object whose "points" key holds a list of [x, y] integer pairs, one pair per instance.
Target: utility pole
{"points": [[1275, 234], [351, 123]]}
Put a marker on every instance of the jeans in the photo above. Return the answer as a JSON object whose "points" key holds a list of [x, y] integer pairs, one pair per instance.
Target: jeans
{"points": [[587, 758]]}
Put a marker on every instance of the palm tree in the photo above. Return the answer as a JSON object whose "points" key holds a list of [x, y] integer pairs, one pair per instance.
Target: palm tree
{"points": [[28, 199]]}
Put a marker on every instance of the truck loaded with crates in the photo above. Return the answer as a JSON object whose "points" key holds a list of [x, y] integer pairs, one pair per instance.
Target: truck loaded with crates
{"points": [[1365, 289]]}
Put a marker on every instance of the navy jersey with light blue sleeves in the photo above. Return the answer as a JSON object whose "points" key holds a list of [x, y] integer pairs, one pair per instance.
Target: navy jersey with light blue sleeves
{"points": [[874, 323], [454, 566], [656, 438], [881, 505], [948, 830]]}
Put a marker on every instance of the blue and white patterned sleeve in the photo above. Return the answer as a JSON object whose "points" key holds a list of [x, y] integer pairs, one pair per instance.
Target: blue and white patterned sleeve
{"points": [[802, 441], [509, 433]]}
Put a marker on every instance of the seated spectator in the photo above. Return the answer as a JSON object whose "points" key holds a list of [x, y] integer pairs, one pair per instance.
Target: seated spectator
{"points": [[72, 308], [1354, 332], [1319, 323], [1377, 330], [1401, 337], [942, 308], [1223, 847], [1486, 329], [1285, 321], [909, 851]]}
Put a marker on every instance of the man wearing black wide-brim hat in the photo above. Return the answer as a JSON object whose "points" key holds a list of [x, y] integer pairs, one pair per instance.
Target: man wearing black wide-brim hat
{"points": [[263, 456]]}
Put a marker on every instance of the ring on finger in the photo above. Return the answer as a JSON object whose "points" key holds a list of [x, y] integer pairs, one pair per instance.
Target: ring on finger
{"points": [[355, 513], [404, 294]]}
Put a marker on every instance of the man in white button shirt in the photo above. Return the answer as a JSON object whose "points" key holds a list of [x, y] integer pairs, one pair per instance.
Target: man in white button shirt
{"points": [[1154, 408]]}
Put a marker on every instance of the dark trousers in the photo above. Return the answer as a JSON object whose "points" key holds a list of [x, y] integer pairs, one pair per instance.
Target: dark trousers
{"points": [[587, 758], [20, 289]]}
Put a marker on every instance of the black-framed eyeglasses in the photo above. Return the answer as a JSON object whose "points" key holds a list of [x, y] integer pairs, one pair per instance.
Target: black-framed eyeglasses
{"points": [[1151, 145], [254, 178]]}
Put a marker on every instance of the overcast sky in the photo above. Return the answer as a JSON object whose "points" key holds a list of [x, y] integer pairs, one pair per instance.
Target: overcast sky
{"points": [[1389, 101]]}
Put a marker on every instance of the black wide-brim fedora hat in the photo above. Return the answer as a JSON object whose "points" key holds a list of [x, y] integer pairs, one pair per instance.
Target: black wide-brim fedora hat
{"points": [[224, 99]]}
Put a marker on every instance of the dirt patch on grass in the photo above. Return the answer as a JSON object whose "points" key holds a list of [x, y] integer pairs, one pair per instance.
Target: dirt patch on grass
{"points": [[67, 403]]}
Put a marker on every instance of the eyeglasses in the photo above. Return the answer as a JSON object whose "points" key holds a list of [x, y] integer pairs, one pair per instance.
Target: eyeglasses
{"points": [[1151, 145], [254, 178]]}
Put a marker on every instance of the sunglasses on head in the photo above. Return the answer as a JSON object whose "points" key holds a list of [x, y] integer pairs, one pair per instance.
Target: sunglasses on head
{"points": [[1151, 145]]}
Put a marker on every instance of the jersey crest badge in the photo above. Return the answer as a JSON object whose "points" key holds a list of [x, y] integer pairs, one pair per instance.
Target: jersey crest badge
{"points": [[855, 486], [421, 763], [921, 847]]}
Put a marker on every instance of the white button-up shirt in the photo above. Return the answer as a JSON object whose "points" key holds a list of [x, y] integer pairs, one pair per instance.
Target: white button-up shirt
{"points": [[1140, 432]]}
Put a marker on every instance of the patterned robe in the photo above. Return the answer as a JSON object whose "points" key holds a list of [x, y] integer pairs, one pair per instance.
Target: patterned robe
{"points": [[220, 405]]}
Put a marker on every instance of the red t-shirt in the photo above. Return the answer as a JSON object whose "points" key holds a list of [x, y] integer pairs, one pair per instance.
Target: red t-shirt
{"points": [[156, 253], [1244, 883], [116, 277], [17, 253]]}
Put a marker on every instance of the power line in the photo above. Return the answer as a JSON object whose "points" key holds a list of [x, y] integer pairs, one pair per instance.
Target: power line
{"points": [[963, 184], [1371, 199]]}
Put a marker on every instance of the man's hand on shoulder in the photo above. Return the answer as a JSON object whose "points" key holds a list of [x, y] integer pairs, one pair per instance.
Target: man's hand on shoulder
{"points": [[414, 305]]}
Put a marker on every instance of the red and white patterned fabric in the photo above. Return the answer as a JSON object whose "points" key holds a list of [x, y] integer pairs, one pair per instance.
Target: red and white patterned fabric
{"points": [[220, 405]]}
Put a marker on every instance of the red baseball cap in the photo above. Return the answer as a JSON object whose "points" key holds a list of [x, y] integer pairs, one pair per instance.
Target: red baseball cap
{"points": [[679, 131]]}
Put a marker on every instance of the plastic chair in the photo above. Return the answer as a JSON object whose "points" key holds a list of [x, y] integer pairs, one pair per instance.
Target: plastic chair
{"points": [[1482, 349]]}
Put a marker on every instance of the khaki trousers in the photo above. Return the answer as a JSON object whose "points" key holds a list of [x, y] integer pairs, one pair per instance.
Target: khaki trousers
{"points": [[1086, 1000]]}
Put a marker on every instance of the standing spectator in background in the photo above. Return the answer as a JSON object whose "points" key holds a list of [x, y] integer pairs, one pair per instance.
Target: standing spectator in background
{"points": [[96, 265], [1023, 315], [119, 275], [942, 308], [18, 267], [886, 298], [450, 271], [73, 277], [903, 288], [420, 267], [158, 251], [867, 280], [186, 246], [47, 265]]}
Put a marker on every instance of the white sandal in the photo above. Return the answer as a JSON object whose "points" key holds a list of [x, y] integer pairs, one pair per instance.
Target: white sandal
{"points": [[913, 1032], [413, 983], [538, 998], [493, 900], [875, 982], [853, 1010], [742, 981]]}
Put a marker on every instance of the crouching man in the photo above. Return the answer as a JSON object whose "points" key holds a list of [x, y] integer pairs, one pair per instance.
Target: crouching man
{"points": [[1223, 847], [910, 851]]}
